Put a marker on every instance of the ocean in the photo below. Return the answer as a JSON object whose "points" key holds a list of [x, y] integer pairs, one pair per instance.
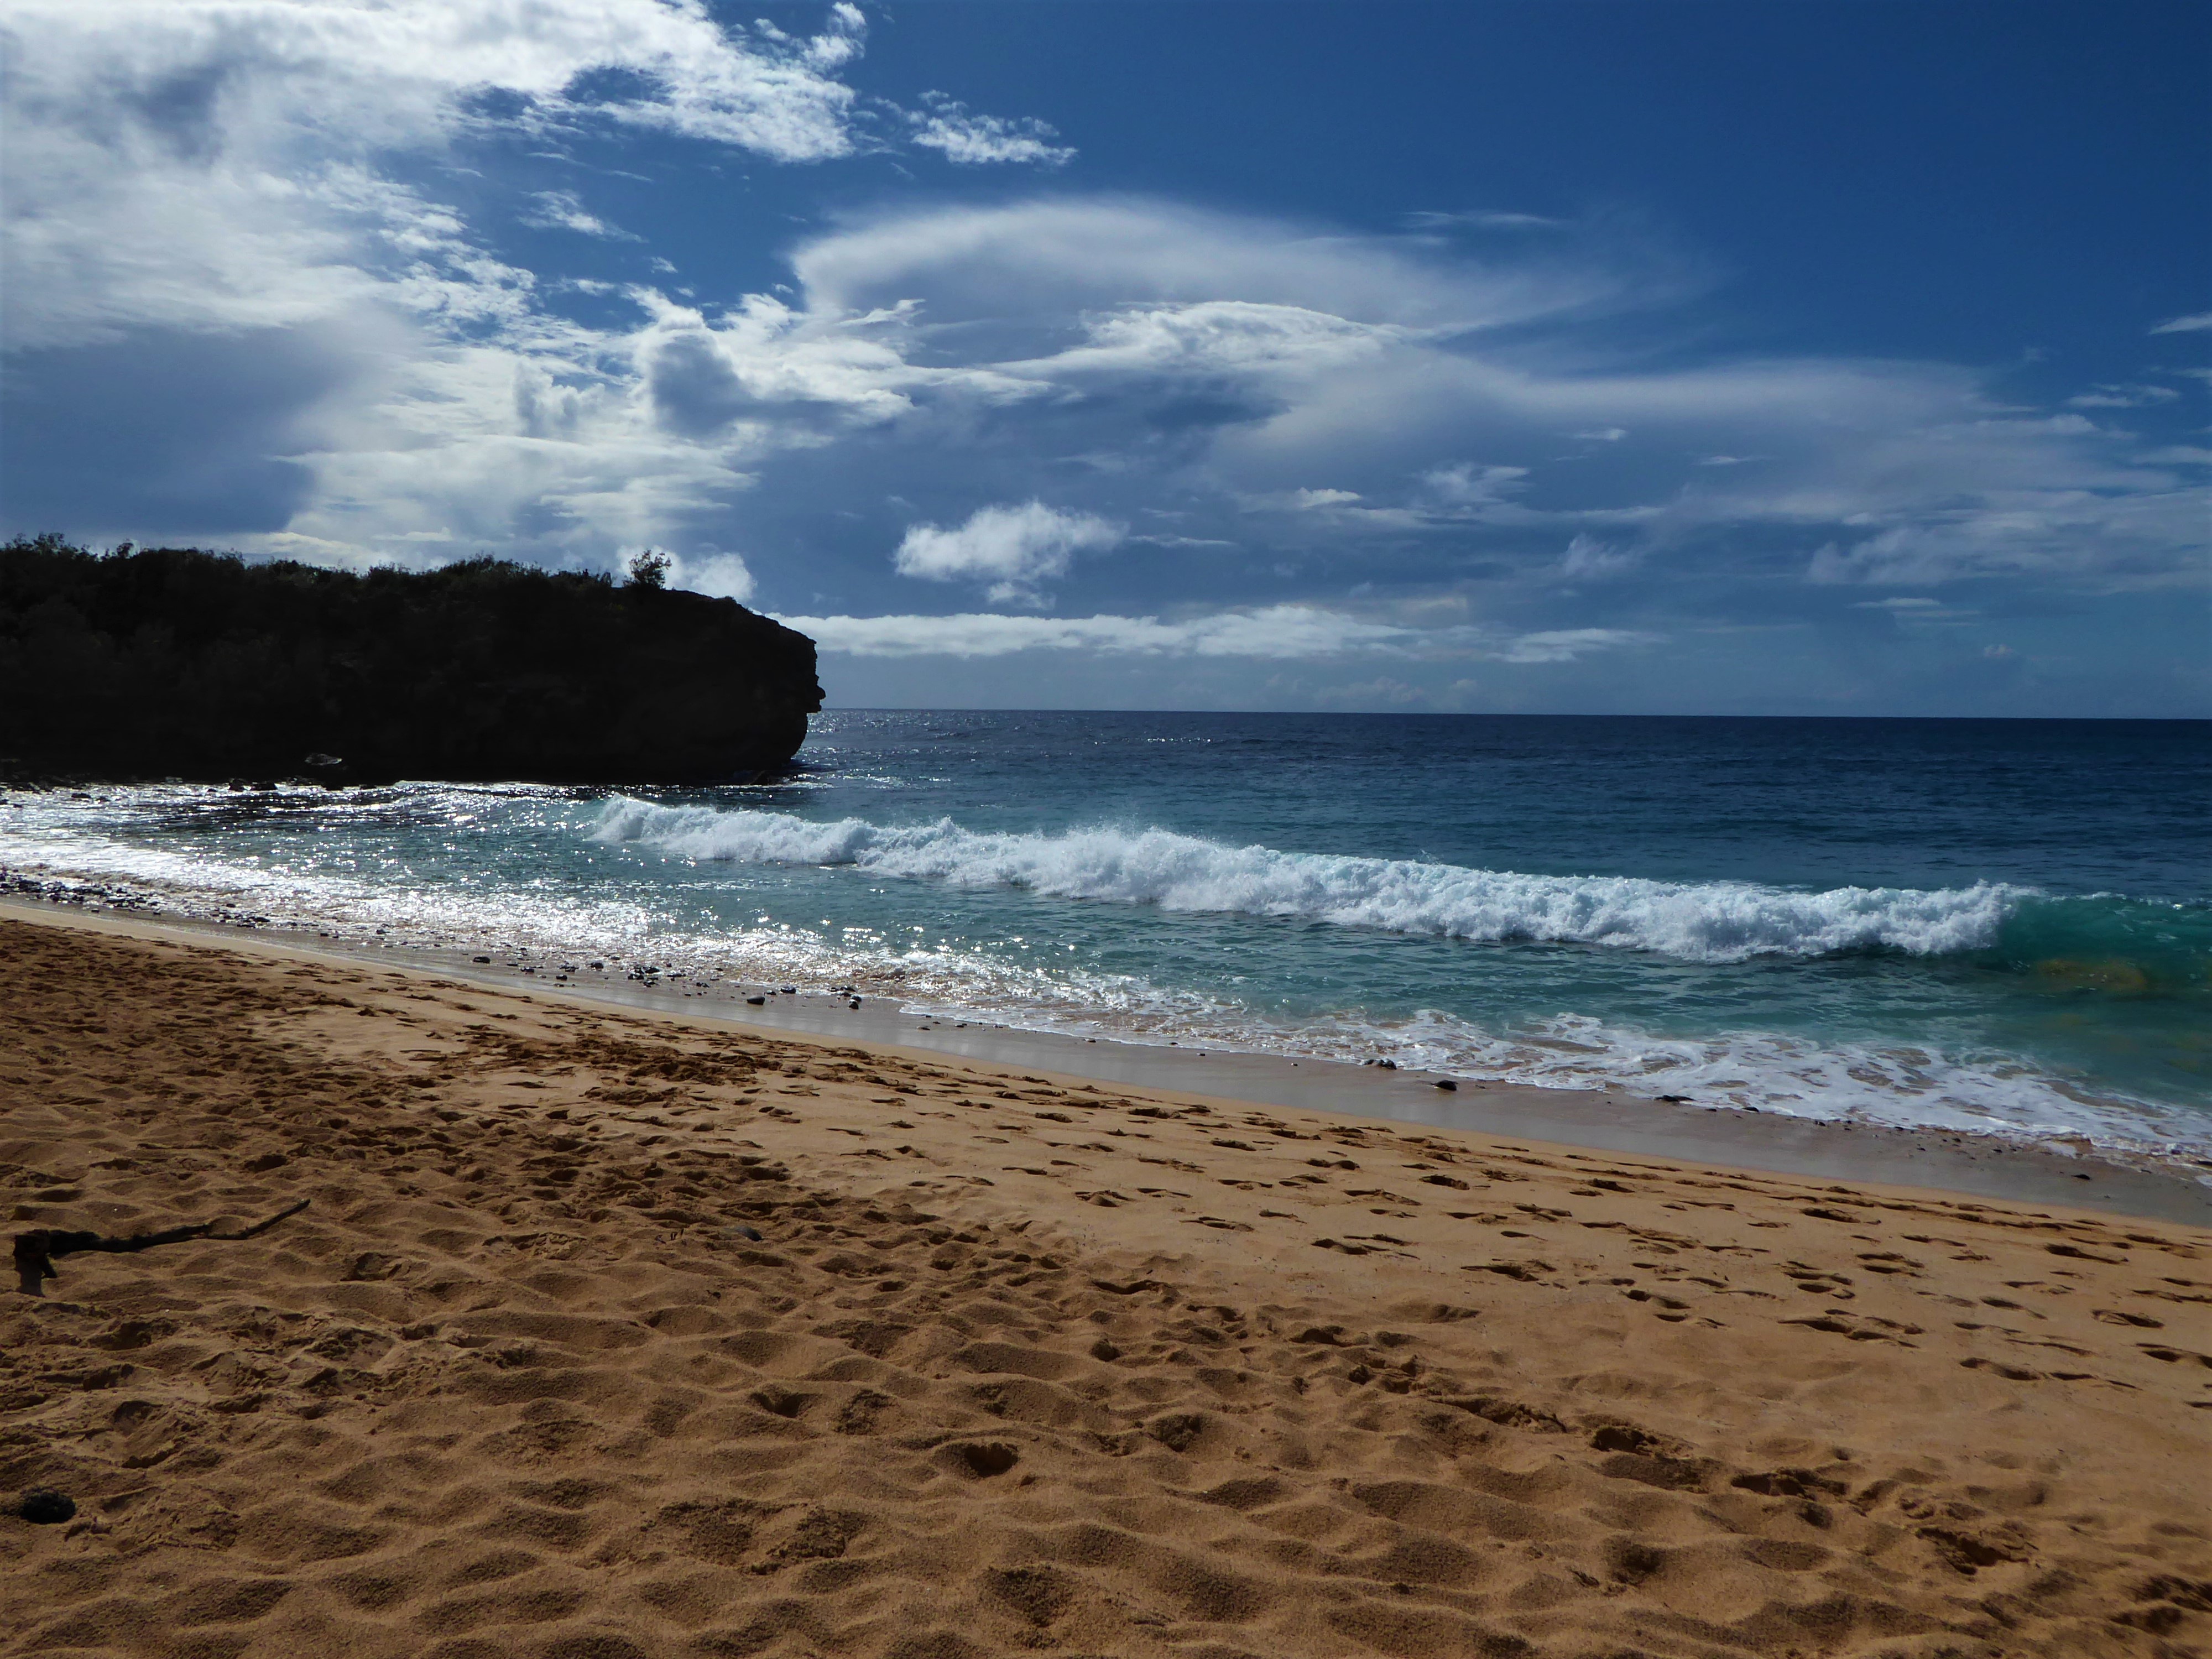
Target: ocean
{"points": [[1997, 926]]}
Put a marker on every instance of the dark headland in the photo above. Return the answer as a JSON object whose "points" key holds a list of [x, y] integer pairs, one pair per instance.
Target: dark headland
{"points": [[175, 663]]}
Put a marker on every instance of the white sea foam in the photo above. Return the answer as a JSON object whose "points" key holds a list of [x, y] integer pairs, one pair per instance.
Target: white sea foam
{"points": [[1700, 921], [367, 903]]}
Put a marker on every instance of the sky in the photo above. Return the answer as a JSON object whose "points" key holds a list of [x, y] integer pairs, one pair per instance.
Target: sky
{"points": [[1671, 356]]}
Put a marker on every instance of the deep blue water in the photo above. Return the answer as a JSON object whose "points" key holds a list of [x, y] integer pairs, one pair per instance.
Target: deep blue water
{"points": [[2003, 925]]}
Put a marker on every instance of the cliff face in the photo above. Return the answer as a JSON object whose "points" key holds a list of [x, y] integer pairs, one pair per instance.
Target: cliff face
{"points": [[179, 663]]}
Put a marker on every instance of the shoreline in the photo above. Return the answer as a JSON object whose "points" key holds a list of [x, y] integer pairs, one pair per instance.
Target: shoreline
{"points": [[1975, 1167], [1951, 1057]]}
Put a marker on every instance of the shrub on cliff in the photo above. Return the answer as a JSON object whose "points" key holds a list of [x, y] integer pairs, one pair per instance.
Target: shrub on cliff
{"points": [[171, 661]]}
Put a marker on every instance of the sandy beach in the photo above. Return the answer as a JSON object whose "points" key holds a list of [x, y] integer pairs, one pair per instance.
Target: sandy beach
{"points": [[1018, 1361]]}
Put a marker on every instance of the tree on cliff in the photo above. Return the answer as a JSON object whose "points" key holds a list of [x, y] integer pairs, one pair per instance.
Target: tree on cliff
{"points": [[171, 661]]}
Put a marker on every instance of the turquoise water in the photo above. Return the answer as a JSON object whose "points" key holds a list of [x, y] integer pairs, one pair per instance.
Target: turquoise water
{"points": [[2004, 925]]}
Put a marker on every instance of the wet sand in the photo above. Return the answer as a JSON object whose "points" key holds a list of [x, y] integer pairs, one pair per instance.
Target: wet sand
{"points": [[1981, 1166], [1022, 1359]]}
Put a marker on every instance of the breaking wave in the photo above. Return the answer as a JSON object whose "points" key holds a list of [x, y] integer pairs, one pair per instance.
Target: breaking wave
{"points": [[1696, 921]]}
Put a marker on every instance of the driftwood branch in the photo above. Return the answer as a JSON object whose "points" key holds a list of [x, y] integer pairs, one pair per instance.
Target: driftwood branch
{"points": [[35, 1251]]}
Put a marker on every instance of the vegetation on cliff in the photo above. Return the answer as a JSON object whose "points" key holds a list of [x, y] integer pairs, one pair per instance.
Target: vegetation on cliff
{"points": [[174, 662]]}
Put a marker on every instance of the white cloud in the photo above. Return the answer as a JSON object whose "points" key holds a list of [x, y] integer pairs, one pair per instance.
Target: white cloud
{"points": [[236, 167], [1012, 547], [1588, 559], [219, 163], [1217, 336], [2196, 324], [2124, 397], [562, 210], [1466, 484], [1482, 219], [947, 126], [1565, 644], [246, 169], [1277, 631], [718, 575], [1352, 356], [1917, 609], [1235, 359], [762, 372], [2145, 530], [1057, 258], [1284, 631]]}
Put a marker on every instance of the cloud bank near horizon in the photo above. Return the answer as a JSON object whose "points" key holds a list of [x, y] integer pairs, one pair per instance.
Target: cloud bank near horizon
{"points": [[1274, 633]]}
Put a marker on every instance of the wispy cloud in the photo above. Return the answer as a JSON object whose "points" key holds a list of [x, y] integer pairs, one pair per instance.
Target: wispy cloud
{"points": [[1483, 219], [563, 210], [1283, 631], [2196, 323], [1918, 608], [2123, 396], [1588, 559]]}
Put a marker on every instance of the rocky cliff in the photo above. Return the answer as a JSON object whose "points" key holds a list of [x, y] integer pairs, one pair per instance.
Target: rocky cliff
{"points": [[177, 662]]}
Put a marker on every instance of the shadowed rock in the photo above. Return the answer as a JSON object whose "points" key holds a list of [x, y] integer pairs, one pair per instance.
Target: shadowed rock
{"points": [[177, 662]]}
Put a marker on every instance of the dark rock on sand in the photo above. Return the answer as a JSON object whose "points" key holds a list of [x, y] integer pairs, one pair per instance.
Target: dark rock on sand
{"points": [[42, 1508]]}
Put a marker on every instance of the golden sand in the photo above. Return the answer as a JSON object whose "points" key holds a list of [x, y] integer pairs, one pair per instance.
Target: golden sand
{"points": [[1018, 1363]]}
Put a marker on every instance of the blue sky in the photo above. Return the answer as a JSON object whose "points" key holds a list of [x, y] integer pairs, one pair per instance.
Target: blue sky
{"points": [[1785, 357]]}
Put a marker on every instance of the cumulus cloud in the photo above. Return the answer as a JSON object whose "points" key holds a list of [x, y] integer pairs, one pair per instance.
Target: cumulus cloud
{"points": [[1013, 547], [718, 575], [243, 188], [247, 201], [221, 162], [947, 126]]}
